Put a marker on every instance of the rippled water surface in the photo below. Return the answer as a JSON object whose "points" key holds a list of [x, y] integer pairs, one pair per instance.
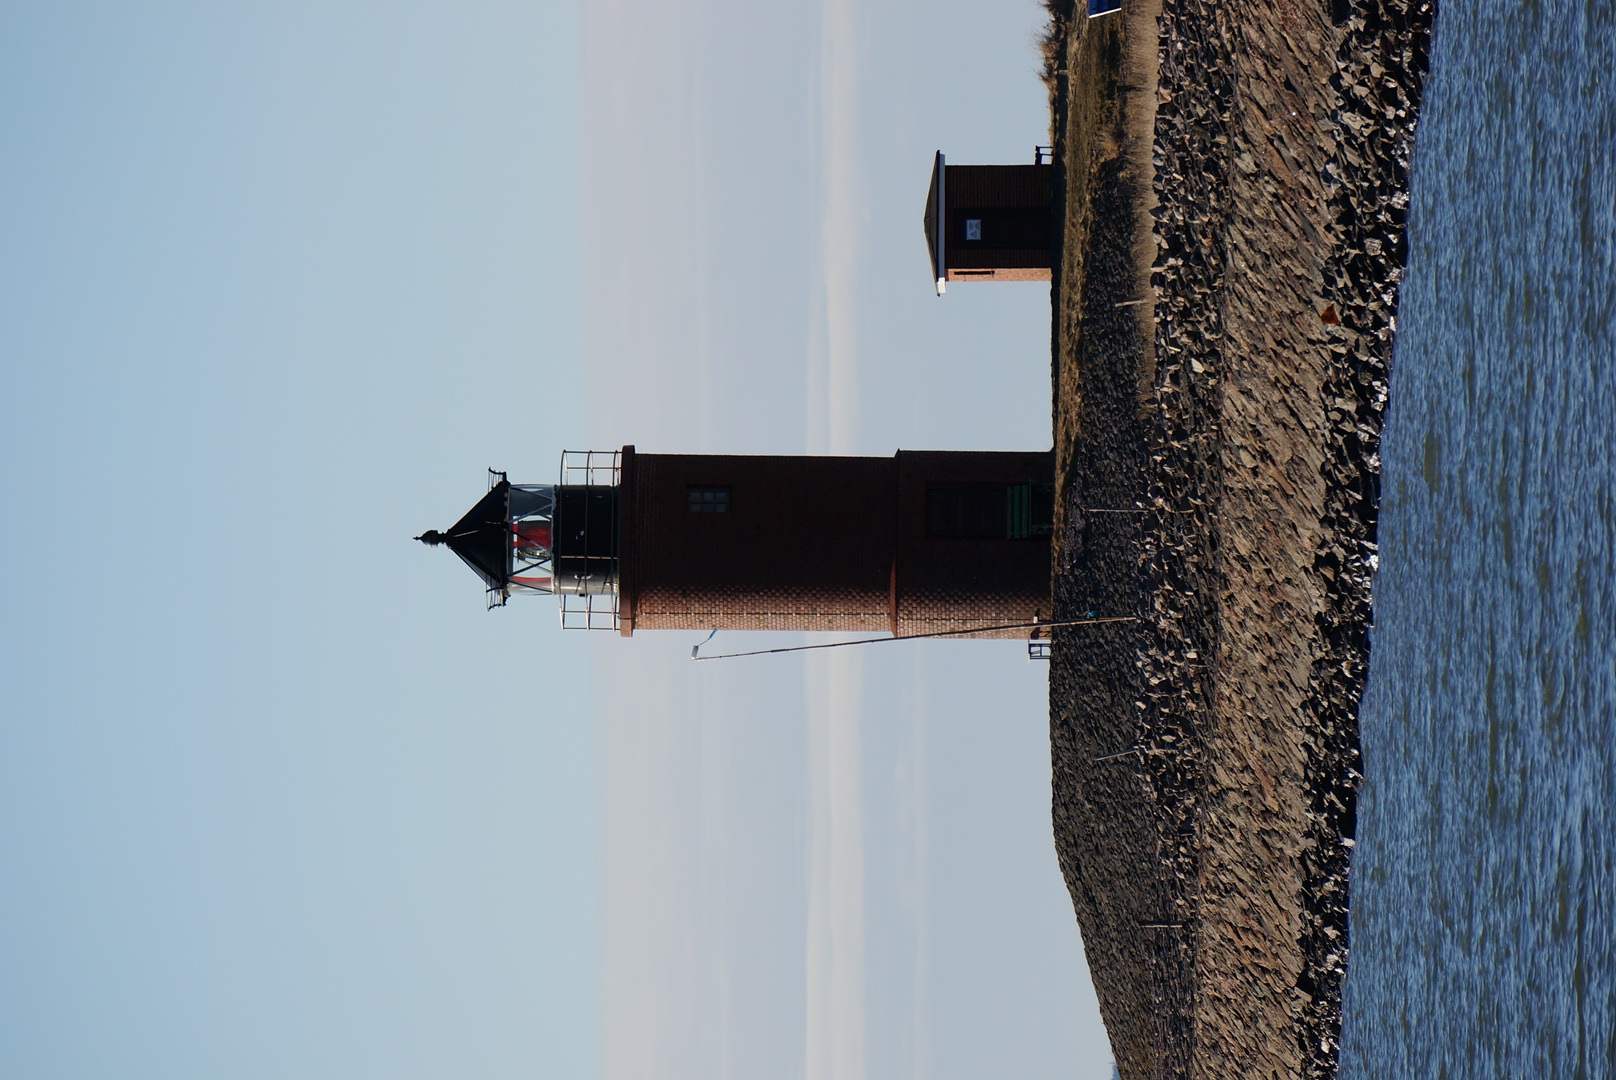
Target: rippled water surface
{"points": [[1484, 898]]}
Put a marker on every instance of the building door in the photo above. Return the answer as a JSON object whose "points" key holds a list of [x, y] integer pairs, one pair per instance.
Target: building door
{"points": [[1014, 228]]}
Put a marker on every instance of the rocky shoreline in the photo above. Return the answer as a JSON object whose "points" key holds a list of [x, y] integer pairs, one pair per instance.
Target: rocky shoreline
{"points": [[1235, 181]]}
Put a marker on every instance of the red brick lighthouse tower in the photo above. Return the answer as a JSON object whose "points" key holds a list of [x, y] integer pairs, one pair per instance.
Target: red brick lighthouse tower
{"points": [[921, 542]]}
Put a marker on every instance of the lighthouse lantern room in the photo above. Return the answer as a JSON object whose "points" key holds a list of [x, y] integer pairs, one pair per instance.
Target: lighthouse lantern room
{"points": [[558, 539]]}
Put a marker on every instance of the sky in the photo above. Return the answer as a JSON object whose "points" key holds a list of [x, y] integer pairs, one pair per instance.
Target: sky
{"points": [[277, 796], [838, 866]]}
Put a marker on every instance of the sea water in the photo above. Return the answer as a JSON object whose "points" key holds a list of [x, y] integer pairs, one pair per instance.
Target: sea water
{"points": [[1484, 888]]}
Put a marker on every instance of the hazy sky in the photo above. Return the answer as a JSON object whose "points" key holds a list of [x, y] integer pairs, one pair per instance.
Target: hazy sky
{"points": [[838, 866], [277, 797]]}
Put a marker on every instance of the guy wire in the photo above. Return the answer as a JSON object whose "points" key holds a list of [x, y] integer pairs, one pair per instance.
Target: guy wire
{"points": [[1037, 625]]}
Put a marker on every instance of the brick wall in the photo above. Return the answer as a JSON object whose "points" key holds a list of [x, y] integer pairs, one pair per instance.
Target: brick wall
{"points": [[1016, 196], [949, 584], [820, 543]]}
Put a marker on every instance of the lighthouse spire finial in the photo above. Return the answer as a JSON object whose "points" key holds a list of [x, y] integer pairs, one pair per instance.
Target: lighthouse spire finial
{"points": [[432, 538]]}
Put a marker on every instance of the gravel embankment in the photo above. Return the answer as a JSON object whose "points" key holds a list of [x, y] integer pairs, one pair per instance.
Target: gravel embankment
{"points": [[1235, 179]]}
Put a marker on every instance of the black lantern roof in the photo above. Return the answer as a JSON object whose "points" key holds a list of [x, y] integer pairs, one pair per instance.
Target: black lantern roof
{"points": [[482, 538], [936, 211]]}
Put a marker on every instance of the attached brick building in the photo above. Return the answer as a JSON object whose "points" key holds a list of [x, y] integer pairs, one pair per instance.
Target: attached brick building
{"points": [[990, 222], [917, 543]]}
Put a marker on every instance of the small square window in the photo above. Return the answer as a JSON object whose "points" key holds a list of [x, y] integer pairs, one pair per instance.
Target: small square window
{"points": [[973, 228], [708, 500]]}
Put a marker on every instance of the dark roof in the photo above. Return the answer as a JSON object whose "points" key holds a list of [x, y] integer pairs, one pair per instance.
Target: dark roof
{"points": [[934, 213], [482, 538]]}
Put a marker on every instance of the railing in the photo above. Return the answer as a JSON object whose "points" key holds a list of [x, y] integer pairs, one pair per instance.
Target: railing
{"points": [[1039, 644], [590, 611], [591, 467], [593, 607]]}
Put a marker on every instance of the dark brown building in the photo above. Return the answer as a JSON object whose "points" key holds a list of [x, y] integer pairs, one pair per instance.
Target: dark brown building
{"points": [[916, 543], [990, 222]]}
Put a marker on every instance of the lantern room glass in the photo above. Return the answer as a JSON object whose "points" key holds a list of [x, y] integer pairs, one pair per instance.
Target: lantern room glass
{"points": [[531, 514]]}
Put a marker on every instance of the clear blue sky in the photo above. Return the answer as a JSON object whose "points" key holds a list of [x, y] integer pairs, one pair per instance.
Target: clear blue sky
{"points": [[277, 797]]}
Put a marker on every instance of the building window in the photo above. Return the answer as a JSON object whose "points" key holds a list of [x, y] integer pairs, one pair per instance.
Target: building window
{"points": [[1032, 511], [973, 228], [966, 511], [708, 500], [990, 511]]}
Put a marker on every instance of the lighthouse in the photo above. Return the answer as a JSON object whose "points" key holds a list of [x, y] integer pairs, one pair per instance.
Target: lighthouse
{"points": [[922, 542]]}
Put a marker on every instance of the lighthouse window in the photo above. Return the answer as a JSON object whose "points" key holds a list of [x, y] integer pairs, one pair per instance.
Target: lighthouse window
{"points": [[973, 228], [708, 500]]}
